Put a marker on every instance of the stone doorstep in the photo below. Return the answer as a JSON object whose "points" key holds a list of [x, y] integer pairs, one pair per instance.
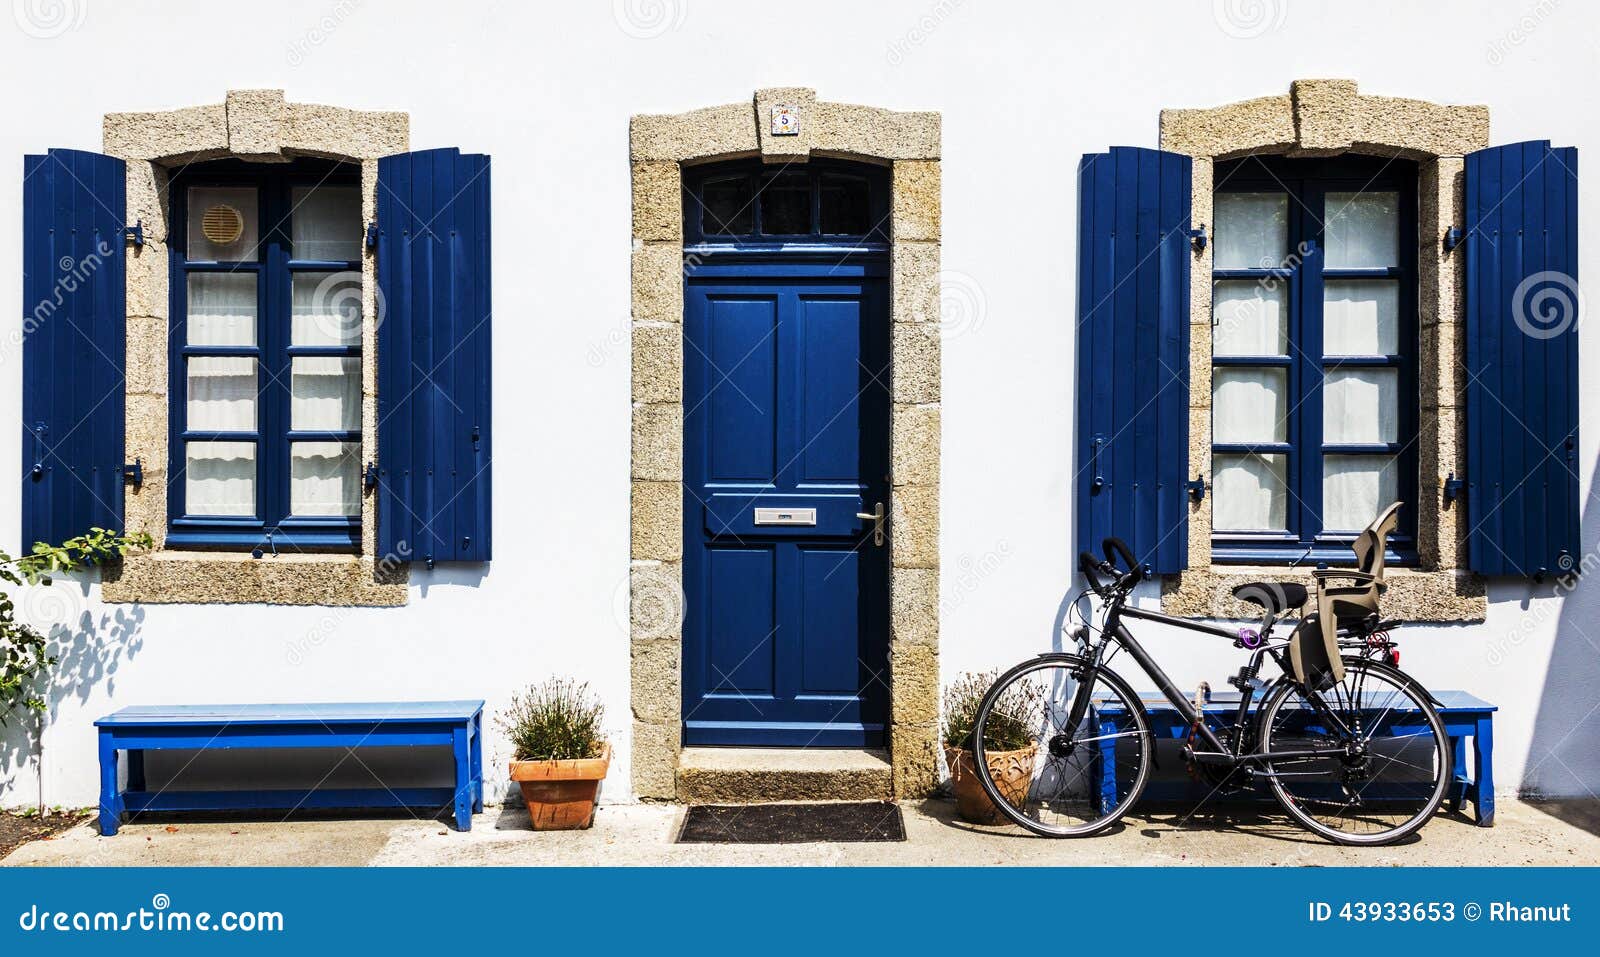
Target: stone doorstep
{"points": [[760, 775]]}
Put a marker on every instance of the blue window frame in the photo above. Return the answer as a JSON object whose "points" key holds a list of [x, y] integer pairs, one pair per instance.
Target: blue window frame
{"points": [[265, 357], [1314, 367], [829, 204]]}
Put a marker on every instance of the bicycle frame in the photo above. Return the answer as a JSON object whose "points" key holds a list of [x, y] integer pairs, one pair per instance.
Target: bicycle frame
{"points": [[1115, 631]]}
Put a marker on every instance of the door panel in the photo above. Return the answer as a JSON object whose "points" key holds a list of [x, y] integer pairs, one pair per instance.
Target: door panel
{"points": [[786, 421], [739, 658], [740, 351]]}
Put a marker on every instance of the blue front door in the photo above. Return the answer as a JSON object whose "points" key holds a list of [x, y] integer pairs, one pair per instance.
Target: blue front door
{"points": [[786, 379]]}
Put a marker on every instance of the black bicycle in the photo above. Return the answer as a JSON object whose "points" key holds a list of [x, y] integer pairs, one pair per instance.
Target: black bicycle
{"points": [[1352, 747]]}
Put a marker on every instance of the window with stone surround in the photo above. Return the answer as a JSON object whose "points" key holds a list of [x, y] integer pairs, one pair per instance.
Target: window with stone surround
{"points": [[1314, 400], [266, 357]]}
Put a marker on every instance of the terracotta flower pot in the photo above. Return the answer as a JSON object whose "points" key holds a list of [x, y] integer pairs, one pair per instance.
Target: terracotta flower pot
{"points": [[561, 794], [1012, 771]]}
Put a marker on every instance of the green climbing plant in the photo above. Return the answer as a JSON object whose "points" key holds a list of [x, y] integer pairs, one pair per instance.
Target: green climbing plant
{"points": [[24, 652]]}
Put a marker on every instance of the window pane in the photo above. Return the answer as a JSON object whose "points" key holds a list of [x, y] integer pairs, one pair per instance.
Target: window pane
{"points": [[325, 478], [1249, 405], [223, 224], [1360, 317], [1354, 488], [1248, 493], [1360, 405], [845, 205], [1252, 230], [222, 394], [220, 478], [786, 205], [325, 223], [1362, 230], [1249, 319], [325, 393], [222, 309], [326, 309], [727, 209]]}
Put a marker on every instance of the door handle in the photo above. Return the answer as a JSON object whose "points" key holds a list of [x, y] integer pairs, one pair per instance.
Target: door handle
{"points": [[876, 516]]}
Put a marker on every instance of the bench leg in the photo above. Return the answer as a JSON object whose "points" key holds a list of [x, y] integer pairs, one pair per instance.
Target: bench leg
{"points": [[463, 791], [1483, 770], [477, 764], [1459, 783], [1108, 763], [110, 799]]}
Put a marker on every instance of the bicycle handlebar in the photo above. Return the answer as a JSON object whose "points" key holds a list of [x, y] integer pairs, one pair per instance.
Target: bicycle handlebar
{"points": [[1120, 580]]}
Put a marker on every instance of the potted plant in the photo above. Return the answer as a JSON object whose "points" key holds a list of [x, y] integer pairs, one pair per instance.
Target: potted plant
{"points": [[559, 754], [1009, 745]]}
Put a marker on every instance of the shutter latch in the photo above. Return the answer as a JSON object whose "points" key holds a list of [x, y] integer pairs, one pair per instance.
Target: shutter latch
{"points": [[1453, 237], [477, 436], [372, 235], [1197, 488], [1454, 488], [1098, 482], [1197, 236], [135, 472], [135, 233]]}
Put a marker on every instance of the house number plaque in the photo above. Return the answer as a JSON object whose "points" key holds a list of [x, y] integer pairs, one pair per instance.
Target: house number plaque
{"points": [[785, 120]]}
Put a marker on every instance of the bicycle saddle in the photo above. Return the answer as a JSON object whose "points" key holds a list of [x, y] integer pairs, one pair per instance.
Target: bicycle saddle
{"points": [[1274, 597]]}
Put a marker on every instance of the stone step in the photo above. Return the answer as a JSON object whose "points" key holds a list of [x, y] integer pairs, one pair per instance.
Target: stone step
{"points": [[757, 775]]}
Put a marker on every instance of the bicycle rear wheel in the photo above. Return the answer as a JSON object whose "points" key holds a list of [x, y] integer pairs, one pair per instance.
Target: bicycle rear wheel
{"points": [[1373, 760], [1047, 773]]}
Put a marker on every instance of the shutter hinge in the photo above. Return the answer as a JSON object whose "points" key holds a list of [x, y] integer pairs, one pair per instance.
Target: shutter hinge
{"points": [[1197, 236], [1197, 488], [372, 235], [371, 480], [1454, 488], [135, 233], [1453, 237], [135, 472]]}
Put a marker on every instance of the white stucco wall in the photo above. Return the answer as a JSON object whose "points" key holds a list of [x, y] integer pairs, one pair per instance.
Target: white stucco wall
{"points": [[547, 90]]}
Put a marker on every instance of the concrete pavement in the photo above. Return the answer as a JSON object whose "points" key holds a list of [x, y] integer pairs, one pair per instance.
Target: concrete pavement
{"points": [[1526, 834]]}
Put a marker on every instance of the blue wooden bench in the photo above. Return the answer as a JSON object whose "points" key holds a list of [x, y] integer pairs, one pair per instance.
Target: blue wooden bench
{"points": [[455, 724], [1464, 717]]}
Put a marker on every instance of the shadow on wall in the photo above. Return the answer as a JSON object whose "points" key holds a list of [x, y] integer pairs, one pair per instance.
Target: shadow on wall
{"points": [[1563, 760], [468, 574], [89, 646]]}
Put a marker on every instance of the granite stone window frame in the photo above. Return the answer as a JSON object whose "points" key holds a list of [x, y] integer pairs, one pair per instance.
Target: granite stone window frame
{"points": [[1321, 118], [253, 126]]}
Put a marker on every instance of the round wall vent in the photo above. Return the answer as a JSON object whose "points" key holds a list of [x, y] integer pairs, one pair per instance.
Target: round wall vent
{"points": [[222, 224]]}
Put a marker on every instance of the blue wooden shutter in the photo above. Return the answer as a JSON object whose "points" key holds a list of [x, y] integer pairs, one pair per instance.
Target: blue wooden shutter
{"points": [[74, 330], [1522, 359], [1133, 353], [434, 437]]}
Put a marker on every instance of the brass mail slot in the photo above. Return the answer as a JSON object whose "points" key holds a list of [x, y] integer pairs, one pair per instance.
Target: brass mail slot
{"points": [[786, 516]]}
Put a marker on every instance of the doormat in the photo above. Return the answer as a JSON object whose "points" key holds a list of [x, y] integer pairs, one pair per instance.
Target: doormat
{"points": [[792, 823]]}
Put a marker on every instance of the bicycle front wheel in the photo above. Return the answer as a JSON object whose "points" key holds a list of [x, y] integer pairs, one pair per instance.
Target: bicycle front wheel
{"points": [[1049, 772], [1365, 762]]}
